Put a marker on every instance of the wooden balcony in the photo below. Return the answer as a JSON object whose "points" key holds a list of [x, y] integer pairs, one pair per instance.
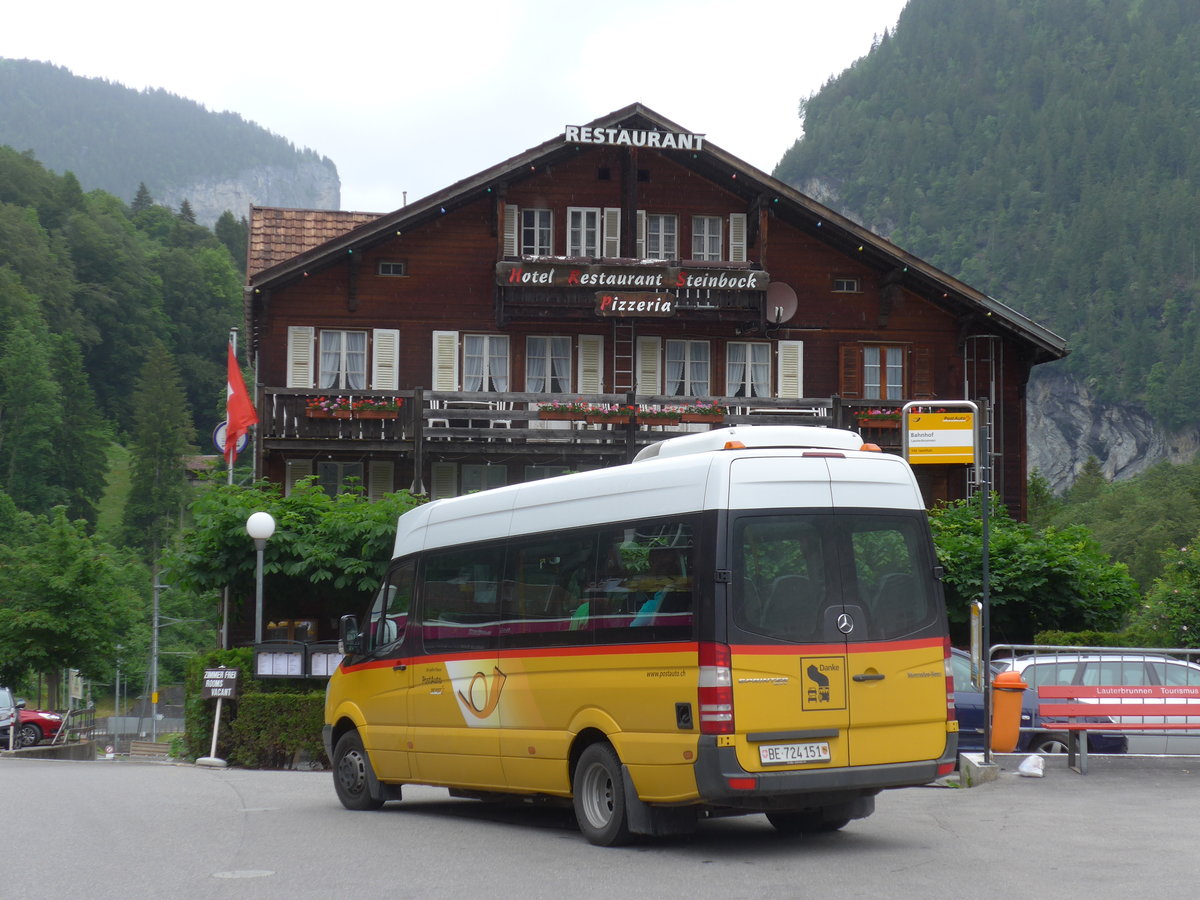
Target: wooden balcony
{"points": [[508, 424]]}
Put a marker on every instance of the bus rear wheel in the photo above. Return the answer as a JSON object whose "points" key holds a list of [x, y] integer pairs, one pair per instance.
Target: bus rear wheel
{"points": [[599, 799], [352, 774]]}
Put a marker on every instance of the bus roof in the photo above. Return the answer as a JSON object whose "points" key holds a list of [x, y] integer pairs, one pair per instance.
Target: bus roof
{"points": [[688, 474], [754, 437]]}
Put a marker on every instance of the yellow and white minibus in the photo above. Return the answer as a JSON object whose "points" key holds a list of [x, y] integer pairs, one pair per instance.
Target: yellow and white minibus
{"points": [[746, 620]]}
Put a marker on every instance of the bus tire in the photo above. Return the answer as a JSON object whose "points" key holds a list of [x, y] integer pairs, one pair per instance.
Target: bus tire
{"points": [[805, 822], [352, 774], [599, 797]]}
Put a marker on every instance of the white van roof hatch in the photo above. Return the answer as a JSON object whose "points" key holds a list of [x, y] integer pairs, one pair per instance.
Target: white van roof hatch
{"points": [[752, 437]]}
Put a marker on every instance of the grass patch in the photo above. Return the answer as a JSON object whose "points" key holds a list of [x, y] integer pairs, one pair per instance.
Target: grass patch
{"points": [[116, 490]]}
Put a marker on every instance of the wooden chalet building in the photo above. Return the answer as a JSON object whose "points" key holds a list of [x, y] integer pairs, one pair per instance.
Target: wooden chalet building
{"points": [[626, 262]]}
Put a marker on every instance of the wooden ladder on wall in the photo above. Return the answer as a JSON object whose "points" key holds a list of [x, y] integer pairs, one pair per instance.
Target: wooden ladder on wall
{"points": [[624, 343]]}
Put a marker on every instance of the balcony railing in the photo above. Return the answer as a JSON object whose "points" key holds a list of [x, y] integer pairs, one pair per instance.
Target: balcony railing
{"points": [[507, 422]]}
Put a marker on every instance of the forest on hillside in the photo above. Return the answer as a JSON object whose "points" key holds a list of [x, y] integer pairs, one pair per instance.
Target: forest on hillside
{"points": [[1046, 152], [115, 138], [92, 290]]}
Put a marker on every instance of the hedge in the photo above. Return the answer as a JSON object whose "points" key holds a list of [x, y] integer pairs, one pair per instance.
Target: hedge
{"points": [[272, 724]]}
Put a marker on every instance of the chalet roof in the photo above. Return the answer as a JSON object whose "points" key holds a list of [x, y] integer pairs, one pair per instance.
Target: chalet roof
{"points": [[277, 235], [754, 185]]}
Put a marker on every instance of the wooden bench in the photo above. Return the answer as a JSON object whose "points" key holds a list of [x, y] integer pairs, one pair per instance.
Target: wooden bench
{"points": [[1140, 707], [149, 750]]}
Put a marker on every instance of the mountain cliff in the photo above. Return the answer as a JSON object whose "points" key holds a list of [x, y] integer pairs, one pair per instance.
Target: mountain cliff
{"points": [[115, 138]]}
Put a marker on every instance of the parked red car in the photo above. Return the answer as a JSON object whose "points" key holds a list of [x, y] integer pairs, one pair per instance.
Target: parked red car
{"points": [[37, 725]]}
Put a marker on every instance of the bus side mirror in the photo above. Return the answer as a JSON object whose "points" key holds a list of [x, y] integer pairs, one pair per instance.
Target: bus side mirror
{"points": [[349, 637]]}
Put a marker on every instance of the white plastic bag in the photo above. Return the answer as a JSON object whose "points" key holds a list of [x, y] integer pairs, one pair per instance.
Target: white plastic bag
{"points": [[1032, 767]]}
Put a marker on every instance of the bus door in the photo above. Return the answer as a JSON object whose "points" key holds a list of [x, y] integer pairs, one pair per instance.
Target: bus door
{"points": [[789, 670], [894, 627], [383, 679], [456, 680]]}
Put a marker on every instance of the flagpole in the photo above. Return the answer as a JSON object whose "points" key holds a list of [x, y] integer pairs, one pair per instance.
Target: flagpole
{"points": [[233, 335]]}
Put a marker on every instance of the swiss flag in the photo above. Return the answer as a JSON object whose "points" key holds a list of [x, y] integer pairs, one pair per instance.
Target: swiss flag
{"points": [[239, 411]]}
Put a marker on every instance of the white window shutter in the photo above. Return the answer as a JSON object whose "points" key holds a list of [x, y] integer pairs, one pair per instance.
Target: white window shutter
{"points": [[443, 477], [385, 359], [300, 356], [641, 234], [612, 232], [380, 478], [295, 470], [512, 231], [737, 237], [445, 361], [649, 365], [591, 364], [791, 369]]}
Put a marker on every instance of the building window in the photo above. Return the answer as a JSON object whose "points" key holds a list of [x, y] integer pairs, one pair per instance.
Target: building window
{"points": [[548, 365], [485, 362], [662, 240], [843, 285], [706, 237], [394, 267], [339, 477], [482, 478], [883, 372], [537, 228], [583, 232], [343, 360], [687, 368], [747, 370]]}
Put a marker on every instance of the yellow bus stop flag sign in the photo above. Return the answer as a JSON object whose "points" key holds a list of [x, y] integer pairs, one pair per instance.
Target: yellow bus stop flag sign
{"points": [[943, 437]]}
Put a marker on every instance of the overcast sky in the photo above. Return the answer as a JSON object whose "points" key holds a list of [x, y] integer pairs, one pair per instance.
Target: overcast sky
{"points": [[408, 97]]}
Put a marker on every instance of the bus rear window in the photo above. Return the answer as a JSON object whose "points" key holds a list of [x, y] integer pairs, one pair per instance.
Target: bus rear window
{"points": [[794, 573]]}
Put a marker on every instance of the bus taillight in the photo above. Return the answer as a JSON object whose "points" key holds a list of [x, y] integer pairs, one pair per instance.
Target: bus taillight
{"points": [[951, 710], [715, 694]]}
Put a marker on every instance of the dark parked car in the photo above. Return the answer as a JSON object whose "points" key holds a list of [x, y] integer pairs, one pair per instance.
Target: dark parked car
{"points": [[969, 704], [37, 725]]}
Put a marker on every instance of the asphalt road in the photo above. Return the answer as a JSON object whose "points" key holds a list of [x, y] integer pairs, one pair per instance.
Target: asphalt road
{"points": [[120, 829]]}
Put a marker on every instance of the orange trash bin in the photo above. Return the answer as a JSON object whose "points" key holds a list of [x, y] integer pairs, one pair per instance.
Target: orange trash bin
{"points": [[1008, 692]]}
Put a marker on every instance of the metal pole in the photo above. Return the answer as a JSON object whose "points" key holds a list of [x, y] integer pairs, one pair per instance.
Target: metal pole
{"points": [[985, 581], [154, 667], [260, 544]]}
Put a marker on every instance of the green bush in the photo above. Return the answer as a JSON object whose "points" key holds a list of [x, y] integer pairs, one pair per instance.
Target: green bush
{"points": [[271, 724], [277, 731]]}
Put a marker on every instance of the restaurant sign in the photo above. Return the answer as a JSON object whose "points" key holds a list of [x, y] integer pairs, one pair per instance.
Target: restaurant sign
{"points": [[633, 137], [635, 303], [637, 278]]}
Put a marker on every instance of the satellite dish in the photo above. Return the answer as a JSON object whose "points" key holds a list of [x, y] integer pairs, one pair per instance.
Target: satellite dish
{"points": [[781, 302]]}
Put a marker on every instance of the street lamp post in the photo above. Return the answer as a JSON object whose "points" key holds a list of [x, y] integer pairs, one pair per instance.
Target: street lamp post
{"points": [[260, 526]]}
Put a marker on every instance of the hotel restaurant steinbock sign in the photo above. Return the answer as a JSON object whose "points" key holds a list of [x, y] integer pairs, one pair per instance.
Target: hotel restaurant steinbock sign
{"points": [[629, 290]]}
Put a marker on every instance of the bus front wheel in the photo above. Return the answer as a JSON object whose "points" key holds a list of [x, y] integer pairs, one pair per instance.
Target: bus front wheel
{"points": [[600, 797], [352, 775]]}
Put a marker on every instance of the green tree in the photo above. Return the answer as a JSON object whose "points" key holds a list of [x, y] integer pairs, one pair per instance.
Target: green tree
{"points": [[1170, 616], [1039, 581], [234, 235], [69, 599], [162, 438], [30, 413], [142, 200], [326, 556], [80, 457]]}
